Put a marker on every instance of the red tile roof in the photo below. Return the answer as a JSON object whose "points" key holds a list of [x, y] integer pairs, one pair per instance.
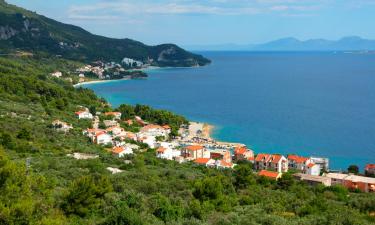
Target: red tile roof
{"points": [[80, 112], [117, 150], [223, 163], [276, 158], [151, 126], [166, 127], [297, 159], [310, 165], [370, 166], [268, 158], [202, 160], [112, 128], [194, 147], [240, 150], [100, 133], [128, 133], [161, 150], [269, 174], [112, 113], [262, 157], [93, 130]]}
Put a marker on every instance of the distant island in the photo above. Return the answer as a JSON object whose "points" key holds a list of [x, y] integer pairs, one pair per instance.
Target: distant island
{"points": [[351, 43]]}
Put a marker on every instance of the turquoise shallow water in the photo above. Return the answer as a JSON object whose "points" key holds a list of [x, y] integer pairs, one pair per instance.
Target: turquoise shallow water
{"points": [[320, 104]]}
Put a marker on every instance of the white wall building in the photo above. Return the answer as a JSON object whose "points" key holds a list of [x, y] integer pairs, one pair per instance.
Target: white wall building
{"points": [[131, 62], [61, 126], [147, 139], [103, 139], [155, 130], [121, 151], [84, 115], [313, 169], [322, 162], [57, 74]]}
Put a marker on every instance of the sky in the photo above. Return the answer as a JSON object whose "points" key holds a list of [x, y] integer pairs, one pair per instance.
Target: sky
{"points": [[198, 22]]}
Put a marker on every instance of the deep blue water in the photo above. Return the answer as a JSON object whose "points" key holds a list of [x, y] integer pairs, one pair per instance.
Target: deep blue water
{"points": [[320, 104]]}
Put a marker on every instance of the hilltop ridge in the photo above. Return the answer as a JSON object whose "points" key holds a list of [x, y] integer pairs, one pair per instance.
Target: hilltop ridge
{"points": [[24, 30]]}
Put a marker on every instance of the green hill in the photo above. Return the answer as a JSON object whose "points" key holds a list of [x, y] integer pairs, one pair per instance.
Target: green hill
{"points": [[24, 30], [41, 184]]}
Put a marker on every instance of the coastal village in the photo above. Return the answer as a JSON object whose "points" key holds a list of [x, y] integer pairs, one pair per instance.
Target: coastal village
{"points": [[194, 145], [127, 69]]}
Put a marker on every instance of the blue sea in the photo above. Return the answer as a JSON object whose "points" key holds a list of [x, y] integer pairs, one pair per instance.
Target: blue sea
{"points": [[308, 103]]}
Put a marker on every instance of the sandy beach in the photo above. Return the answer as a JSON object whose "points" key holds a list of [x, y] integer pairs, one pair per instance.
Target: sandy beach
{"points": [[203, 130], [95, 81]]}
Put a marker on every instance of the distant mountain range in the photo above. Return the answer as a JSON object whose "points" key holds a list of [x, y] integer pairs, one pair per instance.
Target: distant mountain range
{"points": [[23, 30], [352, 43]]}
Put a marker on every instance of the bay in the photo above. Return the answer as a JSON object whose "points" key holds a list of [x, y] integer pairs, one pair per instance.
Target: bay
{"points": [[308, 103]]}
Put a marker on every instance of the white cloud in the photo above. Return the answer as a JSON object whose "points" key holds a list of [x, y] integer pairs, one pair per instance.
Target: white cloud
{"points": [[122, 8], [91, 17]]}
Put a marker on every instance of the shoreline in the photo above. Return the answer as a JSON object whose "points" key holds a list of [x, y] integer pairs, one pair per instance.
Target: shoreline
{"points": [[208, 129], [150, 68], [95, 82], [207, 133]]}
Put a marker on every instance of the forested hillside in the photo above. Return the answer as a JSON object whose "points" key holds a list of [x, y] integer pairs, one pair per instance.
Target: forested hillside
{"points": [[24, 30], [41, 184]]}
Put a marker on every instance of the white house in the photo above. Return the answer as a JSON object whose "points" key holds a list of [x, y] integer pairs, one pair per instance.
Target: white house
{"points": [[103, 139], [205, 162], [243, 153], [84, 115], [116, 115], [91, 133], [57, 74], [298, 162], [131, 62], [122, 151], [155, 130], [193, 152], [116, 131], [313, 169], [271, 162], [222, 164], [322, 162], [164, 153], [147, 139], [61, 126], [167, 153]]}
